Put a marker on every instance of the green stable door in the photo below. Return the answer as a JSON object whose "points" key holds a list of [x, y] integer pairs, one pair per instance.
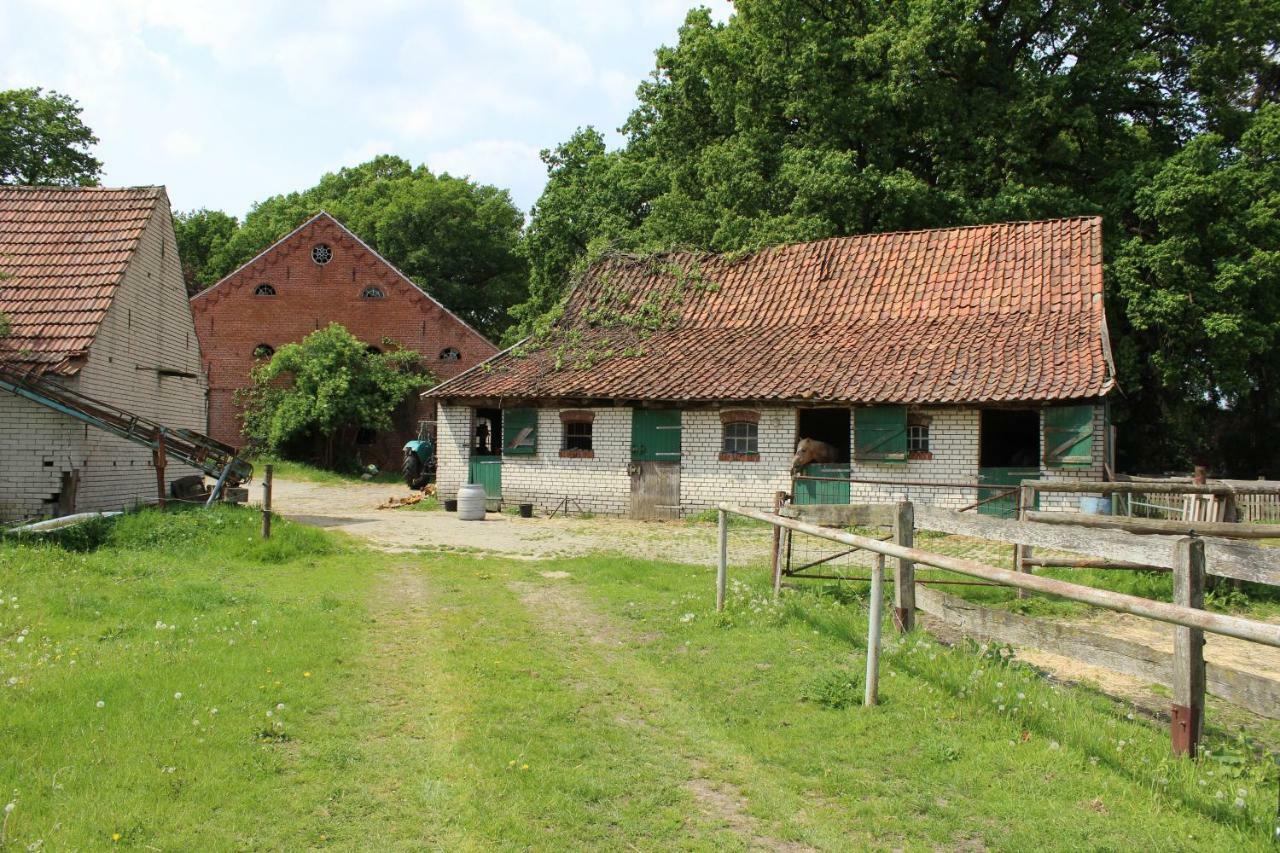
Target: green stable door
{"points": [[655, 464], [826, 491]]}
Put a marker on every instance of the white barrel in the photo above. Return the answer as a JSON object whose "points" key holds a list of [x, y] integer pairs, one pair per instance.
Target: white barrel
{"points": [[471, 502]]}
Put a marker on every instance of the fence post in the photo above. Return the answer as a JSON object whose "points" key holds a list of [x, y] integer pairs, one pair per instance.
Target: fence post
{"points": [[722, 570], [904, 573], [779, 498], [1188, 649], [266, 502], [1026, 500], [158, 459], [871, 696]]}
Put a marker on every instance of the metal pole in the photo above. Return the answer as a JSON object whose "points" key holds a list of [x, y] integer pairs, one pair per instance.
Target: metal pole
{"points": [[1217, 623], [722, 571], [266, 503], [218, 486], [871, 696]]}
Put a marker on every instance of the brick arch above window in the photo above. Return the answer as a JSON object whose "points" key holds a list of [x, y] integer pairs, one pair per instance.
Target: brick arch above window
{"points": [[577, 416], [739, 416]]}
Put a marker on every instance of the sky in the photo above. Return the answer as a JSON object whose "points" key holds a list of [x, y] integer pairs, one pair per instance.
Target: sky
{"points": [[227, 103]]}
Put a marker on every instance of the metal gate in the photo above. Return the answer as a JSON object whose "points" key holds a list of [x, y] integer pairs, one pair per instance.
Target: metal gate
{"points": [[655, 463]]}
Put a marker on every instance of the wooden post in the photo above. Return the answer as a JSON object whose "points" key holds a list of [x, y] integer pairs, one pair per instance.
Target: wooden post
{"points": [[266, 502], [1026, 500], [872, 694], [904, 572], [1188, 649], [722, 570], [158, 459], [779, 498]]}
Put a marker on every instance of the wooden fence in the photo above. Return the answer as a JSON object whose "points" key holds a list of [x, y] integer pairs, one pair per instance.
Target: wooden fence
{"points": [[1189, 558]]}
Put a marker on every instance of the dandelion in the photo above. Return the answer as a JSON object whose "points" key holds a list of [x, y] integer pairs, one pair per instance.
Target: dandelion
{"points": [[1022, 696], [511, 763], [1242, 792], [213, 712], [279, 706], [115, 836], [13, 680], [270, 714], [1239, 803], [1053, 744], [101, 704], [306, 675], [22, 638], [688, 617], [524, 766], [9, 807], [178, 695]]}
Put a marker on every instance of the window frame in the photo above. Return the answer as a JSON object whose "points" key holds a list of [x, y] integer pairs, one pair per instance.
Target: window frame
{"points": [[919, 436], [577, 419], [369, 290], [265, 290], [449, 354], [321, 248], [739, 448]]}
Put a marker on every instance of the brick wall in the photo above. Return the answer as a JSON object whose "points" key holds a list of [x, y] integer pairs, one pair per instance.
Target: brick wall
{"points": [[148, 326], [231, 321], [602, 484]]}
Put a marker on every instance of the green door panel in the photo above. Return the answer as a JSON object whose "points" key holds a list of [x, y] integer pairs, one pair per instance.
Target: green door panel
{"points": [[655, 435], [1003, 479], [487, 471], [823, 491]]}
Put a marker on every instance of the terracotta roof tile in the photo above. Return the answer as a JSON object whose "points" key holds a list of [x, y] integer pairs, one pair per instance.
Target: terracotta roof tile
{"points": [[62, 254], [1009, 312]]}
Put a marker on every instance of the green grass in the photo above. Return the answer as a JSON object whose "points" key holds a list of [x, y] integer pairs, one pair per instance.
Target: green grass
{"points": [[291, 470], [456, 702]]}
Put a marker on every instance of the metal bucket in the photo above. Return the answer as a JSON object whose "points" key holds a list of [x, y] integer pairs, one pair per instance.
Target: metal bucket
{"points": [[1095, 506], [450, 505], [526, 510], [471, 502]]}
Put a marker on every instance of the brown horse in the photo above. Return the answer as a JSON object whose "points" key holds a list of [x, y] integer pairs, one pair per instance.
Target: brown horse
{"points": [[810, 450]]}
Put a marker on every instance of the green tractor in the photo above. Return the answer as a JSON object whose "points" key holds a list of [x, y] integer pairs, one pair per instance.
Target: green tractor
{"points": [[419, 466]]}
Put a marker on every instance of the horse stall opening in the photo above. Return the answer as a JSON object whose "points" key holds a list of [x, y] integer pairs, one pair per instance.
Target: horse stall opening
{"points": [[832, 427], [485, 467], [1008, 453]]}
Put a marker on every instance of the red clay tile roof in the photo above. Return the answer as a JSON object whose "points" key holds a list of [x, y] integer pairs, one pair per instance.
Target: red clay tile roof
{"points": [[62, 254], [1009, 312]]}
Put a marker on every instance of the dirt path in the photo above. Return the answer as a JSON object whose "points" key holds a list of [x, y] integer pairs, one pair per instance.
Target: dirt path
{"points": [[352, 508]]}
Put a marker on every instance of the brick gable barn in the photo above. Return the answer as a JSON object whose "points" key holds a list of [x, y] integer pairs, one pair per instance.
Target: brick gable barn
{"points": [[90, 281], [962, 355], [322, 273]]}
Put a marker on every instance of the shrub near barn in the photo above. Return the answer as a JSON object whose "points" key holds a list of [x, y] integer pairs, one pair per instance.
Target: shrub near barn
{"points": [[312, 398]]}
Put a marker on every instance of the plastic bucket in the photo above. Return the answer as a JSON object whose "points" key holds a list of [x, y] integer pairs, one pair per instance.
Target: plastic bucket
{"points": [[526, 510], [471, 502], [1095, 506], [450, 505]]}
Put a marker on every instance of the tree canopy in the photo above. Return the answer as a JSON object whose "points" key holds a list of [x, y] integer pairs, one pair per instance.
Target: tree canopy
{"points": [[799, 120], [43, 140], [312, 394], [456, 238]]}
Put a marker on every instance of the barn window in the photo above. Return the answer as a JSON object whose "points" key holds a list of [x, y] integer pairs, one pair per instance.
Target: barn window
{"points": [[264, 351], [880, 434], [372, 293], [918, 437], [519, 432], [321, 253], [576, 434], [450, 354], [264, 290], [740, 437]]}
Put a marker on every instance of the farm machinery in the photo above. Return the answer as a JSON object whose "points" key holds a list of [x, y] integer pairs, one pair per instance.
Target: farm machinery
{"points": [[419, 466], [185, 446]]}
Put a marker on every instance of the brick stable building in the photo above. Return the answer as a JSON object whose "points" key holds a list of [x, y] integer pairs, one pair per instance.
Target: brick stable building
{"points": [[951, 356], [322, 273]]}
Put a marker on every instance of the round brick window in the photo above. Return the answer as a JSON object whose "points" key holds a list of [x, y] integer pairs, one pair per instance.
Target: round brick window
{"points": [[321, 253]]}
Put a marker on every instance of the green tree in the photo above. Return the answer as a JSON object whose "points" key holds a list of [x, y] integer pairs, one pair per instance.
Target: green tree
{"points": [[314, 395], [201, 235], [457, 239], [798, 120], [43, 140]]}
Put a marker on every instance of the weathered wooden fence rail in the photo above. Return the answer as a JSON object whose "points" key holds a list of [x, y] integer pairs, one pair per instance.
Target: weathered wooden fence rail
{"points": [[1186, 556]]}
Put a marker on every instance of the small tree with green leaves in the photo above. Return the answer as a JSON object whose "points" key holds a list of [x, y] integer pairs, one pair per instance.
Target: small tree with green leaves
{"points": [[43, 140], [317, 393]]}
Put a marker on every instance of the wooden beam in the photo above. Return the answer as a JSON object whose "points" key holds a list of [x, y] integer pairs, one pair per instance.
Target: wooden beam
{"points": [[1090, 563], [904, 572], [1246, 689], [1213, 487], [1188, 650], [1227, 529], [842, 515], [1218, 623]]}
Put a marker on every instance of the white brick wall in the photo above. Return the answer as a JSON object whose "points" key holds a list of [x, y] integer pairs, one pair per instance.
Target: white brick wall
{"points": [[147, 326], [602, 484]]}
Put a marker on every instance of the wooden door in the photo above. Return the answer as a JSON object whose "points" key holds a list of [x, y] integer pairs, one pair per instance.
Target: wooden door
{"points": [[655, 464]]}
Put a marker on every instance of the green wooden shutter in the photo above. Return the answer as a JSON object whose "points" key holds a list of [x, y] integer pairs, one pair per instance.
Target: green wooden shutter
{"points": [[655, 435], [880, 434], [1068, 436], [519, 432]]}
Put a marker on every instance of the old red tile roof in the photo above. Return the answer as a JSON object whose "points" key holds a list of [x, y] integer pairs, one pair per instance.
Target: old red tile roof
{"points": [[1009, 312], [63, 251]]}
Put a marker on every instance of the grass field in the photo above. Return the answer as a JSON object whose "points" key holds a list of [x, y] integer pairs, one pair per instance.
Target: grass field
{"points": [[173, 682], [288, 469]]}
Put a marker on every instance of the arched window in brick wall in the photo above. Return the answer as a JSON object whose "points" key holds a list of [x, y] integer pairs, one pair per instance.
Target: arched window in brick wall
{"points": [[321, 253], [264, 289], [450, 354], [263, 351], [740, 436], [372, 293]]}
